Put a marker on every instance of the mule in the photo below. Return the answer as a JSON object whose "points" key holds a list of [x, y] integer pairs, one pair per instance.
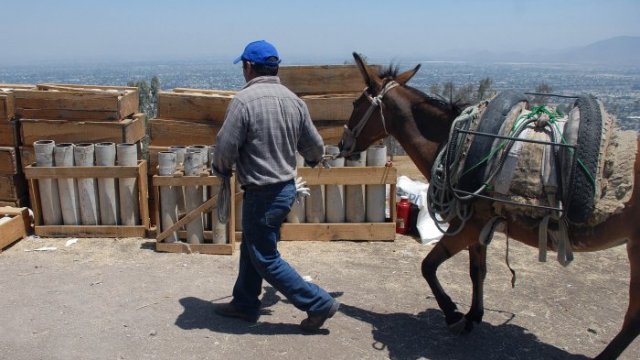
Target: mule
{"points": [[421, 124]]}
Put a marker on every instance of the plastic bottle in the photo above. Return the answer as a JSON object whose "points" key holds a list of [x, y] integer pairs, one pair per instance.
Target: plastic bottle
{"points": [[403, 220]]}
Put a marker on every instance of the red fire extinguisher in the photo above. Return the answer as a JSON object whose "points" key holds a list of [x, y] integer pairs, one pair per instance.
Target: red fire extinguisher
{"points": [[403, 219]]}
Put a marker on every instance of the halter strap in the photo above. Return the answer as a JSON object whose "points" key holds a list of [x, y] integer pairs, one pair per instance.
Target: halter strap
{"points": [[375, 102]]}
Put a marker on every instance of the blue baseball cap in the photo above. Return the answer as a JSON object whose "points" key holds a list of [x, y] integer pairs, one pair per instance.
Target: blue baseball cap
{"points": [[259, 52]]}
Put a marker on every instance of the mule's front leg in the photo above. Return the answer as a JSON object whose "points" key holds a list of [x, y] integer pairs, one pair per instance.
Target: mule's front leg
{"points": [[445, 249]]}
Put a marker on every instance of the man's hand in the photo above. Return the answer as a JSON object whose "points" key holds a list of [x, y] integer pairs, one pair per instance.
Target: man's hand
{"points": [[302, 190]]}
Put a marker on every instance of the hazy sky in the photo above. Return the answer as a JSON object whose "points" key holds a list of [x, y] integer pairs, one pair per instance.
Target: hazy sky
{"points": [[141, 30]]}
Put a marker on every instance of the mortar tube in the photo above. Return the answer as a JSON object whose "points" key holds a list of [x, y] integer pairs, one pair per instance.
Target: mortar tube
{"points": [[297, 213], [355, 194], [48, 188], [67, 189], [168, 207], [376, 194], [107, 187], [127, 155], [335, 193], [219, 229], [315, 205], [180, 150], [87, 187], [204, 154], [193, 195]]}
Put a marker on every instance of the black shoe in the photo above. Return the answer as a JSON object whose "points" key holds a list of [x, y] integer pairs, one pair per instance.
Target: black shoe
{"points": [[315, 322], [229, 310]]}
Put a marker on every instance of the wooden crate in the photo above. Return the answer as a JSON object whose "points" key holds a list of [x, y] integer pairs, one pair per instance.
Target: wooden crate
{"points": [[383, 231], [22, 202], [76, 102], [194, 104], [6, 105], [9, 134], [129, 130], [16, 228], [323, 79], [182, 247], [12, 187], [173, 132], [330, 107], [139, 172], [9, 160]]}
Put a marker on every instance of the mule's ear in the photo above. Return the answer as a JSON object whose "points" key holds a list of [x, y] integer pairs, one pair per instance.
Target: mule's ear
{"points": [[407, 75], [371, 79]]}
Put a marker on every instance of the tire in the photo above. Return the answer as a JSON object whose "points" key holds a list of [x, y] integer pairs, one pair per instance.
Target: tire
{"points": [[581, 190], [491, 121]]}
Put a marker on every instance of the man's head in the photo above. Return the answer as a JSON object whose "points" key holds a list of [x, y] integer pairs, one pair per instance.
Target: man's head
{"points": [[259, 58]]}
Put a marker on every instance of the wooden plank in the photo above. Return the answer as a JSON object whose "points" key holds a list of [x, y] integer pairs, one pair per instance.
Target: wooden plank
{"points": [[331, 134], [9, 134], [118, 231], [339, 231], [323, 79], [186, 180], [331, 107], [22, 202], [349, 175], [12, 187], [9, 160], [193, 106], [76, 104], [16, 228], [125, 131], [208, 249], [173, 132], [143, 194], [205, 91], [56, 86]]}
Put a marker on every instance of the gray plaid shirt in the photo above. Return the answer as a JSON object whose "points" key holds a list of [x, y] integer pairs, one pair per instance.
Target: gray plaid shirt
{"points": [[264, 125]]}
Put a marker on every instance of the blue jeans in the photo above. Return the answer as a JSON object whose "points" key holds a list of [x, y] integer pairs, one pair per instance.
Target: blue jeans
{"points": [[263, 211]]}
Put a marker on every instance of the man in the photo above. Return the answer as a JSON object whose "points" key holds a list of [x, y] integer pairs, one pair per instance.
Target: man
{"points": [[264, 126]]}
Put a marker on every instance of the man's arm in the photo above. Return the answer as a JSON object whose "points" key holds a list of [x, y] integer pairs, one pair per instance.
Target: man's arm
{"points": [[230, 138], [310, 144]]}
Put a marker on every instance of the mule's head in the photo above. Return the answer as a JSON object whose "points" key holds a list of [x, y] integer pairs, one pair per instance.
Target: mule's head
{"points": [[367, 123]]}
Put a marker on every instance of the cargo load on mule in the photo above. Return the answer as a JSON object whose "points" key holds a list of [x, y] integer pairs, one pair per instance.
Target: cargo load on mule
{"points": [[541, 168]]}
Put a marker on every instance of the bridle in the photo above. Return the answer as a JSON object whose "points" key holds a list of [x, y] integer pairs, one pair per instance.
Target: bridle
{"points": [[351, 135]]}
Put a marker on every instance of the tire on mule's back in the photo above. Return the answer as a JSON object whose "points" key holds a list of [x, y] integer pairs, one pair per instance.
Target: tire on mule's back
{"points": [[490, 123], [581, 188]]}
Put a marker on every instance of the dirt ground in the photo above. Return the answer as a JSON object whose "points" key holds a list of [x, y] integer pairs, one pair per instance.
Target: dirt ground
{"points": [[119, 299]]}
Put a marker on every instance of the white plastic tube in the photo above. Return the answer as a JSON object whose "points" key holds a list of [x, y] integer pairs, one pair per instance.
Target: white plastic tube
{"points": [[219, 229], [168, 206], [107, 187], [376, 194], [87, 187], [355, 194], [48, 188], [127, 155], [180, 151], [193, 195], [63, 154], [335, 193]]}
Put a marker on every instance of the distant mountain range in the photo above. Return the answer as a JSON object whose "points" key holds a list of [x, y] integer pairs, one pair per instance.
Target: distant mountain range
{"points": [[620, 50]]}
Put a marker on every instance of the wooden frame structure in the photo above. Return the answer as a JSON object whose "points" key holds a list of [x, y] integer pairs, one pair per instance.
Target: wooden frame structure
{"points": [[379, 231], [139, 172], [179, 179], [16, 228]]}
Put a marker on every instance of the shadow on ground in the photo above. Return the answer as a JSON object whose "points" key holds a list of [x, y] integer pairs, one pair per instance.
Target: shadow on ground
{"points": [[400, 335], [408, 336]]}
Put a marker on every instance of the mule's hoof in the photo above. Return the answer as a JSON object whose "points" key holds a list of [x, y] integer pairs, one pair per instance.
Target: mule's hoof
{"points": [[458, 327]]}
